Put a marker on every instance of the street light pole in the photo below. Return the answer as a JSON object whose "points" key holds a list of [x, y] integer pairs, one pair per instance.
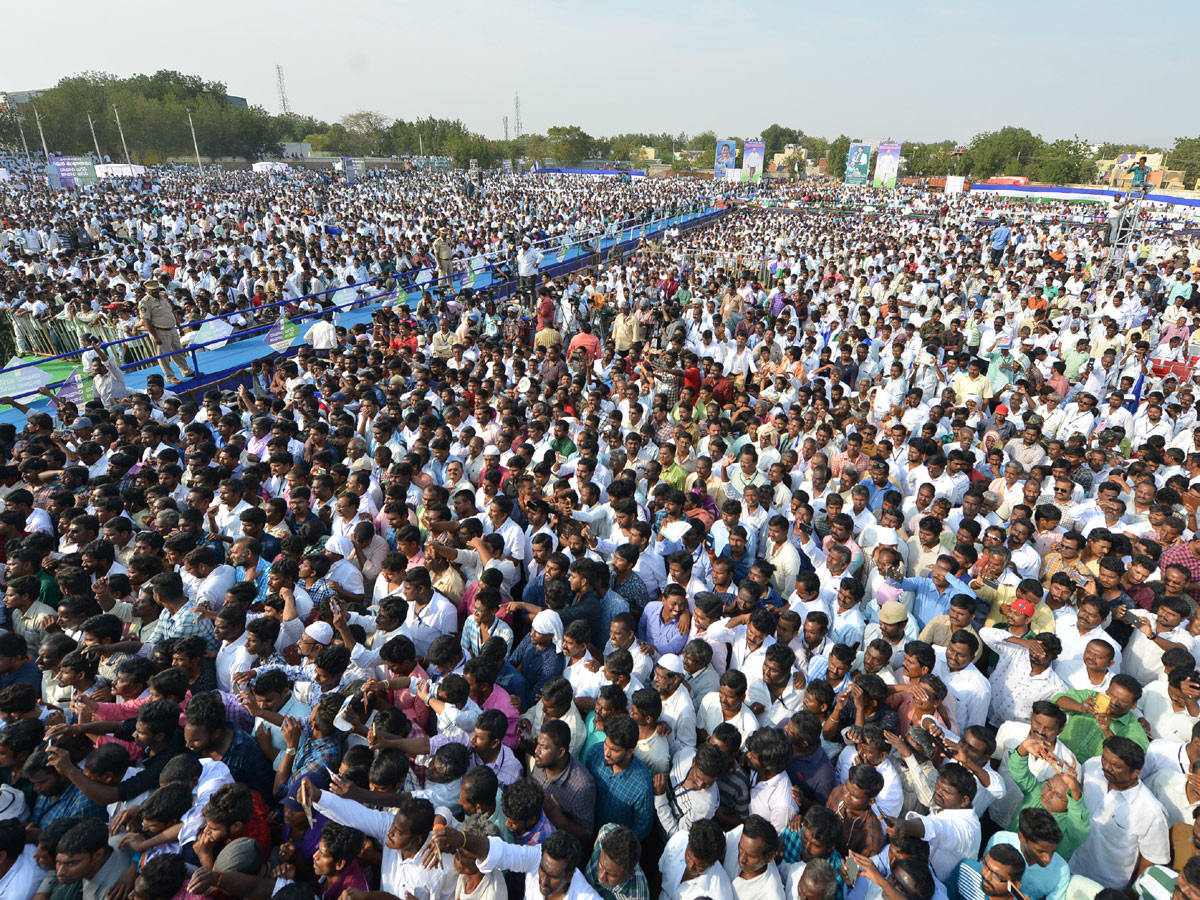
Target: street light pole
{"points": [[117, 113], [195, 146], [92, 126]]}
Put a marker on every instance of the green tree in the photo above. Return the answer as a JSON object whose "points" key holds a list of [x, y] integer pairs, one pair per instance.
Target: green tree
{"points": [[1185, 155], [1066, 162], [10, 133], [835, 155], [153, 112], [366, 131], [1009, 151], [1112, 151], [777, 137], [569, 144], [294, 127]]}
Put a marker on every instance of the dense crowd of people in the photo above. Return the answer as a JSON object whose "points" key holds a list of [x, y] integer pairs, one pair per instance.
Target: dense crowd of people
{"points": [[804, 554]]}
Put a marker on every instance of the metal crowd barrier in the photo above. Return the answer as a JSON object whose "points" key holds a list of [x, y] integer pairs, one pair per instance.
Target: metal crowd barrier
{"points": [[502, 288], [49, 337]]}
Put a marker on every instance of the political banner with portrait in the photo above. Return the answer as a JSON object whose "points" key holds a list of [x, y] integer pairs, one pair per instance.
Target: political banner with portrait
{"points": [[726, 159], [754, 159], [887, 165], [858, 164]]}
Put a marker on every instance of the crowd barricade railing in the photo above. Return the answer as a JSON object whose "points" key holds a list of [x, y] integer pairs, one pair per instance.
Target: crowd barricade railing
{"points": [[407, 285], [52, 338]]}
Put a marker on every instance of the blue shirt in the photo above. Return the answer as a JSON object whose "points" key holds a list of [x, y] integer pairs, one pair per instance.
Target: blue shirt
{"points": [[665, 637], [626, 797], [931, 602], [1038, 882], [1000, 237], [28, 673], [536, 667], [813, 774], [741, 567]]}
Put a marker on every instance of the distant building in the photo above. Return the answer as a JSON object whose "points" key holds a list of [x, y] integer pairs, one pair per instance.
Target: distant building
{"points": [[13, 99], [793, 157], [297, 149], [648, 153], [1113, 171], [239, 102]]}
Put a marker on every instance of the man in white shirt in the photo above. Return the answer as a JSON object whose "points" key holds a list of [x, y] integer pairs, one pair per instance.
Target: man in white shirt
{"points": [[322, 336], [213, 578], [1167, 629], [749, 860], [951, 827], [1128, 825], [404, 837]]}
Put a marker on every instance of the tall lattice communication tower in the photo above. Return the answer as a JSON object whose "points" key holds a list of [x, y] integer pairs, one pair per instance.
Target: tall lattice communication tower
{"points": [[505, 118], [284, 108], [516, 115]]}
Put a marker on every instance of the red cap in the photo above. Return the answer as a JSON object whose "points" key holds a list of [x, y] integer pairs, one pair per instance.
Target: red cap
{"points": [[1024, 607], [1002, 410]]}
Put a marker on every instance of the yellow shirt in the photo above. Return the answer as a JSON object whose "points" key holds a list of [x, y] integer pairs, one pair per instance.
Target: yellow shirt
{"points": [[965, 386]]}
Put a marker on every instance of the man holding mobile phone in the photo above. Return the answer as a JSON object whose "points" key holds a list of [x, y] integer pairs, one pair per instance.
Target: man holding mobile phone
{"points": [[996, 877], [951, 827]]}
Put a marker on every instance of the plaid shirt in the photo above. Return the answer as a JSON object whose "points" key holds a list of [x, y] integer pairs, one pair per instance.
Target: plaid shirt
{"points": [[574, 789], [634, 888], [184, 623], [72, 802], [793, 844], [471, 638], [313, 755], [1054, 563], [320, 592], [260, 580]]}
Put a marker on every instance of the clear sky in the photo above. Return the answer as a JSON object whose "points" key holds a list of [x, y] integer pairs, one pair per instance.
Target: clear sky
{"points": [[904, 69]]}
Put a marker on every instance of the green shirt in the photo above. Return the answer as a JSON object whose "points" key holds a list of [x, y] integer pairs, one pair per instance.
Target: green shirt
{"points": [[1084, 737], [1075, 822], [1074, 361], [674, 475], [50, 593], [563, 445]]}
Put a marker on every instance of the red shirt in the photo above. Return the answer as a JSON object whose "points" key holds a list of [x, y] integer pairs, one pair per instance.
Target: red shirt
{"points": [[588, 343], [545, 312]]}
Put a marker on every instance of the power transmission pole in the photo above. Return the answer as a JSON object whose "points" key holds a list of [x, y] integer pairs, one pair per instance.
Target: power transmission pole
{"points": [[38, 118], [195, 145], [92, 126], [125, 147], [517, 128], [24, 143], [284, 108], [505, 118]]}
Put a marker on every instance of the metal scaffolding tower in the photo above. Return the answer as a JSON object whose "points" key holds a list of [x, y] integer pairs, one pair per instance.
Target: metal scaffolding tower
{"points": [[284, 108]]}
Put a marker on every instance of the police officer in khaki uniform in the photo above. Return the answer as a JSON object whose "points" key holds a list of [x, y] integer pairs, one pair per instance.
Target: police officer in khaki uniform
{"points": [[443, 252], [158, 320]]}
